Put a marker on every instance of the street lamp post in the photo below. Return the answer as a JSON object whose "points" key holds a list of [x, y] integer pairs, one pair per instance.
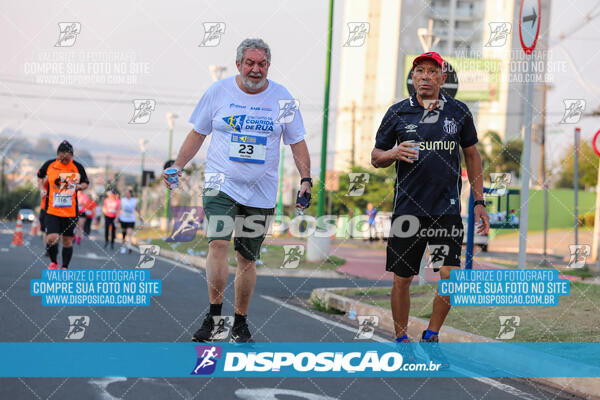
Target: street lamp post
{"points": [[143, 143], [171, 117]]}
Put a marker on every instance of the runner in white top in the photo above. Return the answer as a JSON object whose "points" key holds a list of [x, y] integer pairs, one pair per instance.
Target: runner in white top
{"points": [[246, 117], [246, 135], [127, 219]]}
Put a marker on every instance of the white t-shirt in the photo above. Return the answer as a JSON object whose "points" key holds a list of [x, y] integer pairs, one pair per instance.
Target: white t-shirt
{"points": [[128, 209], [247, 131]]}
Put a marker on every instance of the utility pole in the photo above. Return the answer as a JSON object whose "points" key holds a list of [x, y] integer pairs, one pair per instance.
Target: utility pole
{"points": [[542, 174], [576, 185], [171, 117]]}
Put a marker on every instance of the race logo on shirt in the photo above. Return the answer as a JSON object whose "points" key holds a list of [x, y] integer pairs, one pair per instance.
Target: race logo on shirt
{"points": [[67, 181], [235, 121], [450, 126], [259, 124]]}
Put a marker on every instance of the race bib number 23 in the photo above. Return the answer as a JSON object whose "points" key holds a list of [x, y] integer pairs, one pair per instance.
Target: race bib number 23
{"points": [[246, 148]]}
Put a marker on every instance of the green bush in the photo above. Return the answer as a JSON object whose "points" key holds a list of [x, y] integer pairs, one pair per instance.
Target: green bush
{"points": [[26, 196]]}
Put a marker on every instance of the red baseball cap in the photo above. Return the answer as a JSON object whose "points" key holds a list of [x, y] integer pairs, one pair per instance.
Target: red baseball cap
{"points": [[430, 55]]}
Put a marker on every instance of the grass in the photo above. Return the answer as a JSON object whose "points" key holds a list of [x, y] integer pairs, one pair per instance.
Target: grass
{"points": [[323, 306], [575, 319], [271, 256], [584, 272]]}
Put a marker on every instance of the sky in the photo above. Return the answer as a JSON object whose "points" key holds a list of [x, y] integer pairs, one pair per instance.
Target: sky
{"points": [[125, 51]]}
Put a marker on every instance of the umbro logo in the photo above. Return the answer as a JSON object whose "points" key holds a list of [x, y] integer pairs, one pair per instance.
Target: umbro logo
{"points": [[410, 128]]}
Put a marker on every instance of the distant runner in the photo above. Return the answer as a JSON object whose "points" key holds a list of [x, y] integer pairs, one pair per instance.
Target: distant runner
{"points": [[64, 177], [127, 219], [111, 208]]}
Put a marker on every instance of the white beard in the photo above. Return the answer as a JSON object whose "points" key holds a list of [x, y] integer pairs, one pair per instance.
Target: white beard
{"points": [[251, 85]]}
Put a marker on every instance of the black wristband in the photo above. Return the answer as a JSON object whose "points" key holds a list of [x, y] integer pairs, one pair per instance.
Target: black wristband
{"points": [[477, 202], [309, 180]]}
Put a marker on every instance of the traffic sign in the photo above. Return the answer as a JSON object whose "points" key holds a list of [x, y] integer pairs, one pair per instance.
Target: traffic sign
{"points": [[449, 88], [596, 144], [529, 24]]}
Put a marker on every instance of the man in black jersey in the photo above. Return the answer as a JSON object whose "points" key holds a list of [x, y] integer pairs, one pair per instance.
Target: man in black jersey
{"points": [[422, 135]]}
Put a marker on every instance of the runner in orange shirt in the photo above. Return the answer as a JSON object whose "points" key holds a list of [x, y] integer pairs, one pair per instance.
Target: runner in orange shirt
{"points": [[90, 214], [82, 201], [64, 178]]}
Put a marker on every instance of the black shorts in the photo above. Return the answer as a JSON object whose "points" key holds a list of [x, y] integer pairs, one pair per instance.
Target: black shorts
{"points": [[125, 225], [410, 235], [42, 220], [61, 225]]}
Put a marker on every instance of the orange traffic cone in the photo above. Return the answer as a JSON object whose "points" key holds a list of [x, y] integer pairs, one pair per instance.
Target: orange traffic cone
{"points": [[35, 227], [18, 238]]}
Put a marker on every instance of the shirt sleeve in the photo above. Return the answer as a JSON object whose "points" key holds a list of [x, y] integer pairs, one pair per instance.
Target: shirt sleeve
{"points": [[293, 131], [202, 115], [386, 134], [43, 171], [468, 135], [83, 178]]}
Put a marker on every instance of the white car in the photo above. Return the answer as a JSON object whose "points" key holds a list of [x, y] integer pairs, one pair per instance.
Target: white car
{"points": [[26, 215]]}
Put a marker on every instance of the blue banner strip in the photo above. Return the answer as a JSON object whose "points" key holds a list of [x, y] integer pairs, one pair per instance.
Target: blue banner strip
{"points": [[353, 359]]}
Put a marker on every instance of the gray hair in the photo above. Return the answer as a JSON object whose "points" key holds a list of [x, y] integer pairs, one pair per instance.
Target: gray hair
{"points": [[252, 44]]}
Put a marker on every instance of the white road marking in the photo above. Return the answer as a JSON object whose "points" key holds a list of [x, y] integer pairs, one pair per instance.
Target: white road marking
{"points": [[91, 256], [488, 381]]}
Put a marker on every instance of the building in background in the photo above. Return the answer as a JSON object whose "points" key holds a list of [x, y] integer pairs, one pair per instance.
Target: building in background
{"points": [[468, 33]]}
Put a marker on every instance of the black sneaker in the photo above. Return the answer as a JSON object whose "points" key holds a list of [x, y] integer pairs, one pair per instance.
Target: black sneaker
{"points": [[204, 334], [432, 349], [240, 333]]}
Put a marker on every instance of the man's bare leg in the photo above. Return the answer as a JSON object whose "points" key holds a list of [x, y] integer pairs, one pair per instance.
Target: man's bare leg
{"points": [[245, 279], [441, 304], [217, 270], [400, 301]]}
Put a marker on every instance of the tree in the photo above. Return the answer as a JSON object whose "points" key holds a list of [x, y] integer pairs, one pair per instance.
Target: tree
{"points": [[587, 167], [502, 156]]}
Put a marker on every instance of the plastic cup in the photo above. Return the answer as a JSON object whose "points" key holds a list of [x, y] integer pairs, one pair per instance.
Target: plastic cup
{"points": [[415, 146], [172, 177]]}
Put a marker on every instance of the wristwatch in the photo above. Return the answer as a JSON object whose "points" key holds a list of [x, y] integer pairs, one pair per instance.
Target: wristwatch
{"points": [[309, 180], [479, 202]]}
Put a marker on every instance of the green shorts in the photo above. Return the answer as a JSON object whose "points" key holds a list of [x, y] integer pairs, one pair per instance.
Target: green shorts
{"points": [[224, 215]]}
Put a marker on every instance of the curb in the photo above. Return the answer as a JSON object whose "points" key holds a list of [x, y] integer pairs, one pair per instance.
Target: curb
{"points": [[200, 262], [581, 386]]}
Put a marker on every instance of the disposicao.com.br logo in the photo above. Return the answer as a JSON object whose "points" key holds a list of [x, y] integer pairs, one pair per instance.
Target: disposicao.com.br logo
{"points": [[250, 361]]}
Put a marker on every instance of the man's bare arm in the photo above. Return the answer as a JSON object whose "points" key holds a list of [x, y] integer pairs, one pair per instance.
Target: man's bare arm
{"points": [[385, 158], [474, 170], [189, 148], [301, 158]]}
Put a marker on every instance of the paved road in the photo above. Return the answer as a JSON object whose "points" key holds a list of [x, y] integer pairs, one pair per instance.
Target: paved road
{"points": [[176, 314]]}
